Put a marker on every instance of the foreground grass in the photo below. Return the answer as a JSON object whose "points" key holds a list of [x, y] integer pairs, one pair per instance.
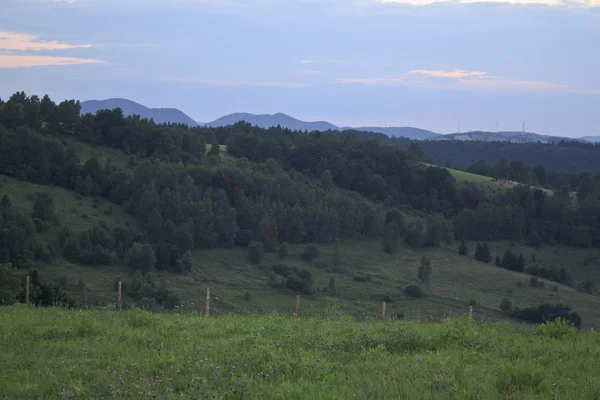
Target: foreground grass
{"points": [[50, 353]]}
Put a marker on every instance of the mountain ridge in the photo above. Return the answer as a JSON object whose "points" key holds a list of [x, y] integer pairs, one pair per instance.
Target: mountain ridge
{"points": [[129, 107], [173, 115]]}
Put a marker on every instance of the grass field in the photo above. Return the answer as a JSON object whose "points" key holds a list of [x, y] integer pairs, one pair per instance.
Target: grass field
{"points": [[77, 212], [52, 353]]}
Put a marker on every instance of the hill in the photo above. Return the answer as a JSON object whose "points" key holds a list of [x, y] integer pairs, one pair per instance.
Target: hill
{"points": [[261, 215], [135, 354], [407, 132], [159, 115], [512, 137], [595, 139], [270, 120]]}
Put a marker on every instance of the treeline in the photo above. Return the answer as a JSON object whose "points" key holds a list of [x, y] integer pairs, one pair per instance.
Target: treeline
{"points": [[565, 156], [584, 183]]}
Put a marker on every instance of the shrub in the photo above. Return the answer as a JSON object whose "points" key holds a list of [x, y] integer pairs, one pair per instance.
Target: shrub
{"points": [[520, 284], [533, 281], [388, 299], [284, 250], [141, 257], [463, 250], [548, 312], [331, 285], [311, 252], [472, 303], [256, 252], [362, 278], [506, 305], [541, 284], [424, 274], [555, 289], [247, 296], [414, 290]]}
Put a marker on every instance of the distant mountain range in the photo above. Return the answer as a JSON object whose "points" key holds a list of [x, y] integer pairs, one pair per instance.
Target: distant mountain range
{"points": [[159, 115], [173, 115], [269, 120], [506, 136]]}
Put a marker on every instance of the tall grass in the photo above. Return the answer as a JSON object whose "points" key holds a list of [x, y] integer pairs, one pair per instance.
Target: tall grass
{"points": [[52, 353]]}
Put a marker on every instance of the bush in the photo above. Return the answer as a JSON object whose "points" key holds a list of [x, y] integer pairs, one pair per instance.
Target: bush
{"points": [[388, 299], [506, 306], [311, 252], [414, 290], [247, 296], [520, 284], [533, 281], [256, 253], [284, 250], [548, 312], [472, 303], [541, 284], [555, 289], [141, 257], [362, 278]]}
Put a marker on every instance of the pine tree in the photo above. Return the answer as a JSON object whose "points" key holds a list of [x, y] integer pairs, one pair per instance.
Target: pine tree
{"points": [[463, 250], [337, 253], [332, 284], [486, 253], [498, 261], [424, 274]]}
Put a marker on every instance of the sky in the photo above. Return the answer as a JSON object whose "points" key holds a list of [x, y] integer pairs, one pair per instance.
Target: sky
{"points": [[443, 65]]}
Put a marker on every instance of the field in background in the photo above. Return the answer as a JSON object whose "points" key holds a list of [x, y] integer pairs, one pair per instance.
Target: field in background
{"points": [[51, 353]]}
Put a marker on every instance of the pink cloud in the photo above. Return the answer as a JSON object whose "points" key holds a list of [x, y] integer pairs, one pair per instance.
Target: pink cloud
{"points": [[26, 42], [457, 73], [19, 61]]}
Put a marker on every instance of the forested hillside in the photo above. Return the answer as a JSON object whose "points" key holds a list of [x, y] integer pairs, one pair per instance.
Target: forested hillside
{"points": [[277, 187]]}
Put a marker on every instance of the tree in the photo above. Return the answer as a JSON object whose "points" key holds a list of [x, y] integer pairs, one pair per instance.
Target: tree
{"points": [[390, 238], [483, 253], [311, 252], [184, 264], [214, 148], [331, 285], [586, 188], [337, 253], [506, 306], [463, 250], [284, 250], [424, 274], [10, 284], [141, 257], [256, 252], [43, 207]]}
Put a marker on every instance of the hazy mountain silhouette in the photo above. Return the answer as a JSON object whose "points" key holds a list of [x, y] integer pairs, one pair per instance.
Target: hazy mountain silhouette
{"points": [[506, 136], [159, 115], [269, 120]]}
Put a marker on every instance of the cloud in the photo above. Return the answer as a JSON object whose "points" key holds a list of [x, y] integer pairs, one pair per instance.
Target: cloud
{"points": [[26, 42], [584, 3], [386, 81], [307, 61], [457, 73], [468, 80], [21, 61], [225, 82]]}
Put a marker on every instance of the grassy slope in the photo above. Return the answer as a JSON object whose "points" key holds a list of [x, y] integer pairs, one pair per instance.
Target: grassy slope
{"points": [[133, 354], [456, 280]]}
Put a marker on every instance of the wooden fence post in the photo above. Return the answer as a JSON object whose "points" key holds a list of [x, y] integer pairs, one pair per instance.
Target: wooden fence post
{"points": [[119, 297], [207, 301], [27, 284], [383, 310], [297, 306], [470, 312]]}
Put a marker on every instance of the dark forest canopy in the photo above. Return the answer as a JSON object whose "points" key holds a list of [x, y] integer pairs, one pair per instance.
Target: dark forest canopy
{"points": [[279, 186]]}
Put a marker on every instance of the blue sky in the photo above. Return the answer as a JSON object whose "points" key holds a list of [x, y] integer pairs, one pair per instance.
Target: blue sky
{"points": [[432, 64]]}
